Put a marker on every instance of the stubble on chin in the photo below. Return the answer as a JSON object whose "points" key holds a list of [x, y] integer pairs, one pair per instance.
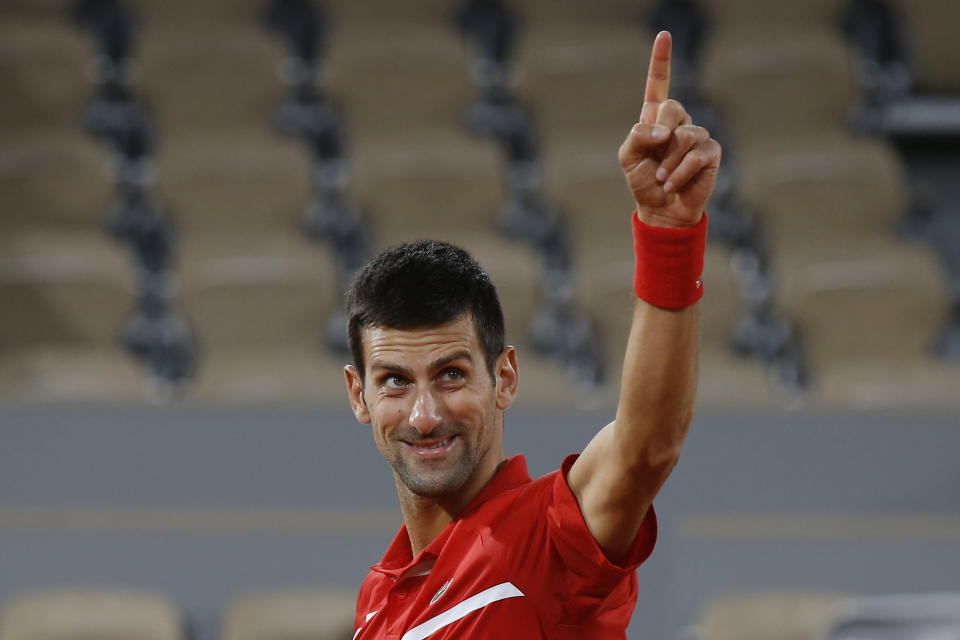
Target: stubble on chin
{"points": [[434, 483]]}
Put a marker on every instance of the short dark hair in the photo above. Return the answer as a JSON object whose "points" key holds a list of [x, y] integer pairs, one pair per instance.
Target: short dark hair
{"points": [[422, 284]]}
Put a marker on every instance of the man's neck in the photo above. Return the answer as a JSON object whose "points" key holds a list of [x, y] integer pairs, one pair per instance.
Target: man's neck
{"points": [[426, 518]]}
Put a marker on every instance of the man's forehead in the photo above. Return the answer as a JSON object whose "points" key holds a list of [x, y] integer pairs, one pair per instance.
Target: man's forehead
{"points": [[458, 334]]}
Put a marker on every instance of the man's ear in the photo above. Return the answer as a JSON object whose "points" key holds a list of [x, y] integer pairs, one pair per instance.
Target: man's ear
{"points": [[507, 378], [355, 393]]}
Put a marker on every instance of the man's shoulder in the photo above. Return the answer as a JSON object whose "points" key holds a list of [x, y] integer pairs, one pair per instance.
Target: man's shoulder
{"points": [[515, 500]]}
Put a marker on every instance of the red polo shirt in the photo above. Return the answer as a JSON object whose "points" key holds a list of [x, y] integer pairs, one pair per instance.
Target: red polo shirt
{"points": [[519, 562]]}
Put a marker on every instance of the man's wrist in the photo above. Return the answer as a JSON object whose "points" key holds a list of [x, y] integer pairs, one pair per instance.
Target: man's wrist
{"points": [[655, 220], [669, 263]]}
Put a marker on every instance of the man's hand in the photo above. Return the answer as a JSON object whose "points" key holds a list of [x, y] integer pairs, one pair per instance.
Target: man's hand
{"points": [[670, 164]]}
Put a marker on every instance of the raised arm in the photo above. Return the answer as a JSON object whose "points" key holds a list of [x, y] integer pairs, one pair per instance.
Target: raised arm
{"points": [[670, 166]]}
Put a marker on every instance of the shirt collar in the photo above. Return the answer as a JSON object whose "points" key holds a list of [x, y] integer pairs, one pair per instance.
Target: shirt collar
{"points": [[398, 559]]}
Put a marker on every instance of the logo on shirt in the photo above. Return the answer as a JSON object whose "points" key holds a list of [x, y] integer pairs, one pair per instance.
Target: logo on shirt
{"points": [[442, 590]]}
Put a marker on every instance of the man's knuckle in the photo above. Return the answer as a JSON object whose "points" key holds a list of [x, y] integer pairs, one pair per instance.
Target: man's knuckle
{"points": [[689, 133]]}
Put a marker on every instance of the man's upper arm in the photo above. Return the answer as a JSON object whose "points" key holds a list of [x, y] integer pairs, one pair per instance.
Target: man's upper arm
{"points": [[624, 466], [613, 506]]}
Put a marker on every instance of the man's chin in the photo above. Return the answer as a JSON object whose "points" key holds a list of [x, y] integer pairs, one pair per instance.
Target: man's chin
{"points": [[432, 483]]}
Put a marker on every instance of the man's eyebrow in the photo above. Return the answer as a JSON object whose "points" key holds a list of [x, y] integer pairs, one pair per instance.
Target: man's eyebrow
{"points": [[377, 365], [443, 361], [439, 363]]}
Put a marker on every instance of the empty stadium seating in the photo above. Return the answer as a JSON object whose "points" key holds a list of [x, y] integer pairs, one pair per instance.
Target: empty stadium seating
{"points": [[782, 77]]}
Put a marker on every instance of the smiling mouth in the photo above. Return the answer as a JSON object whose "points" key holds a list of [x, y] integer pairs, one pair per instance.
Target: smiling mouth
{"points": [[431, 448]]}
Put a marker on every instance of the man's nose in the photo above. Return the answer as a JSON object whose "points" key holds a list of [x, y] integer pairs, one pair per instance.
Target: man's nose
{"points": [[425, 414]]}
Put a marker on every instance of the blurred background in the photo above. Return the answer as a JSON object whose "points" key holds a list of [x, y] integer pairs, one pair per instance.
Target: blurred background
{"points": [[187, 188]]}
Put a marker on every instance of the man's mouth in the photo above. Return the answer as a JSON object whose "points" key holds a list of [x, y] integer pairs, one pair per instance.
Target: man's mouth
{"points": [[432, 448]]}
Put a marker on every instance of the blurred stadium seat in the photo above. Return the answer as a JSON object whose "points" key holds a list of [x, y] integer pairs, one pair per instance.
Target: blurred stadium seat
{"points": [[305, 614], [84, 613], [769, 615], [919, 616], [932, 43]]}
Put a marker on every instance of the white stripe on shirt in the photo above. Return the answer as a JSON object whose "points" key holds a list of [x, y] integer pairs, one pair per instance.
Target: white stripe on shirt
{"points": [[365, 621], [493, 594]]}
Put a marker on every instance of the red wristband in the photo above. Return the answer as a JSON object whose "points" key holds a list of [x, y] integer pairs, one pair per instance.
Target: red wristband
{"points": [[669, 263]]}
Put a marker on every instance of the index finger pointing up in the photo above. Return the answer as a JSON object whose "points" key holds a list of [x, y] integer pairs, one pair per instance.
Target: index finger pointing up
{"points": [[658, 78]]}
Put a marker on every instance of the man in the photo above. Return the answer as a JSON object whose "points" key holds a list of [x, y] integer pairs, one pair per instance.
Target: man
{"points": [[484, 551]]}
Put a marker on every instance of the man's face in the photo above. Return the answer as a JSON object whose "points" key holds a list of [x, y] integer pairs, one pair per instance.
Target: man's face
{"points": [[435, 411]]}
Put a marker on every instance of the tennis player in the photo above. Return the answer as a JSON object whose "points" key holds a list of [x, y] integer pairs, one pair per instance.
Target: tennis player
{"points": [[485, 551]]}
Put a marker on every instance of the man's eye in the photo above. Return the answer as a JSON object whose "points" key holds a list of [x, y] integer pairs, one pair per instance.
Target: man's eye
{"points": [[395, 382], [452, 375]]}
